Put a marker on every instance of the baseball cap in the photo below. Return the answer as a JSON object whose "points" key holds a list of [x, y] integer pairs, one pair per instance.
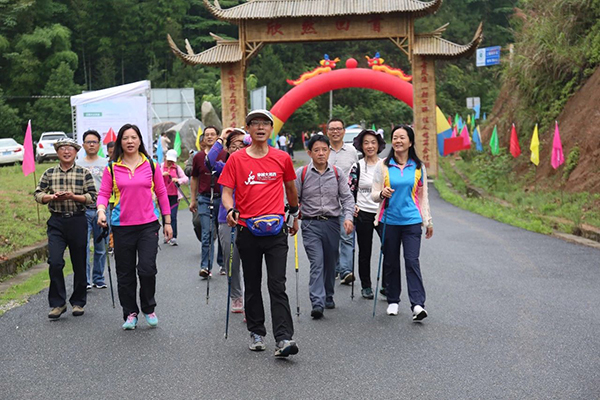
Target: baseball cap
{"points": [[258, 113], [171, 155]]}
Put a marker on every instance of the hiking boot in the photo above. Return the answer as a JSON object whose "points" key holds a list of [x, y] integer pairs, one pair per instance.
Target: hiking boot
{"points": [[130, 322], [317, 312], [329, 304], [367, 293], [419, 313], [77, 311], [348, 278], [237, 305], [257, 342], [151, 319], [392, 309], [56, 312], [100, 285], [286, 348], [204, 272]]}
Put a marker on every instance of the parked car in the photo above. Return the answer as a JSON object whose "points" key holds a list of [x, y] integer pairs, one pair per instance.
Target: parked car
{"points": [[10, 151], [44, 150], [352, 131]]}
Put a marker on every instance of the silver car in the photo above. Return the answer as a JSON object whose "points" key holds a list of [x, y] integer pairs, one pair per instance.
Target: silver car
{"points": [[10, 151], [44, 150]]}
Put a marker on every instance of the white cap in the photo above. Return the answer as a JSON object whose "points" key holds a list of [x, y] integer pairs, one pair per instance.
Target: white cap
{"points": [[172, 155], [258, 113]]}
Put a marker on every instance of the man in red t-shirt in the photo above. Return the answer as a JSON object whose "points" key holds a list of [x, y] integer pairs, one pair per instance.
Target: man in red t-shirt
{"points": [[258, 174]]}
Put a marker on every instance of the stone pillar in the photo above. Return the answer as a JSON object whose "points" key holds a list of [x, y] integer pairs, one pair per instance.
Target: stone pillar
{"points": [[424, 107], [233, 95]]}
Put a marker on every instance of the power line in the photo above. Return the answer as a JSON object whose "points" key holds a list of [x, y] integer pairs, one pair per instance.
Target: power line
{"points": [[35, 97]]}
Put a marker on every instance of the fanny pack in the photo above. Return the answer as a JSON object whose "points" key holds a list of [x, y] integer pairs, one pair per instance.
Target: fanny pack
{"points": [[265, 225]]}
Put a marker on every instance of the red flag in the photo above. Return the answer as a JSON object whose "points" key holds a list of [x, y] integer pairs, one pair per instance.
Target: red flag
{"points": [[110, 136], [28, 158], [454, 144], [558, 157], [515, 149]]}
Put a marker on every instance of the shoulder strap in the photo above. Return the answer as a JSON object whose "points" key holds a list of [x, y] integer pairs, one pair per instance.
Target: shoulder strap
{"points": [[337, 175], [152, 166], [304, 173]]}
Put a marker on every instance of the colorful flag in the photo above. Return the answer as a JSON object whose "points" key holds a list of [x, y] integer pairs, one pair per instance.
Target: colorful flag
{"points": [[535, 146], [454, 132], [515, 149], [455, 144], [469, 119], [477, 109], [464, 134], [484, 117], [558, 157], [477, 139], [472, 124], [373, 127], [450, 121], [443, 128], [110, 136], [28, 165], [101, 152], [456, 120], [198, 135], [159, 151], [177, 144], [494, 142]]}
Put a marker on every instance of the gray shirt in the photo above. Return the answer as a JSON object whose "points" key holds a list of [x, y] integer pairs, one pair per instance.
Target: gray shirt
{"points": [[321, 195], [344, 158], [96, 168]]}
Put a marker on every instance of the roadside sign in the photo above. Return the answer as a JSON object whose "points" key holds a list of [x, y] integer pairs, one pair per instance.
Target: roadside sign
{"points": [[473, 102], [487, 56]]}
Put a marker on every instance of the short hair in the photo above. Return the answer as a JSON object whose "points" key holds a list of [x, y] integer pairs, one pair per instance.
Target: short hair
{"points": [[335, 120], [110, 145], [315, 139], [91, 132], [211, 127]]}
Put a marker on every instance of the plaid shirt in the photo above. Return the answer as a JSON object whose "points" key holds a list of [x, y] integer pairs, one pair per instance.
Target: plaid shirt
{"points": [[76, 179]]}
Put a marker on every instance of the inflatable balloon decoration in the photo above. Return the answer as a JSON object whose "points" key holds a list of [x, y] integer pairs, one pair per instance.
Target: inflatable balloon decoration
{"points": [[377, 64], [326, 66]]}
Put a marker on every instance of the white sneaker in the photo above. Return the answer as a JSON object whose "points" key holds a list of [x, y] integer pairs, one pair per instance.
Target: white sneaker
{"points": [[173, 242], [392, 309], [419, 313]]}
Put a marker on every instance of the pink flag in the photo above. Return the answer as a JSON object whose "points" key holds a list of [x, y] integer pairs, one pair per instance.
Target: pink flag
{"points": [[110, 136], [28, 158], [454, 132], [466, 139], [558, 157]]}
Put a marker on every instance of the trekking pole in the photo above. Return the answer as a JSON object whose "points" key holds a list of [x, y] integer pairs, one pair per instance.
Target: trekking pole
{"points": [[353, 260], [211, 207], [296, 259], [380, 256], [229, 281], [105, 236]]}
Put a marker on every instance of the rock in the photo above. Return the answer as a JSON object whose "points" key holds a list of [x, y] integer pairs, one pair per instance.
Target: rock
{"points": [[210, 117]]}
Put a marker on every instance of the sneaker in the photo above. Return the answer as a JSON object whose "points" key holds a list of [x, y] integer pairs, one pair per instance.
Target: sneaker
{"points": [[204, 272], [222, 271], [165, 241], [56, 312], [367, 293], [286, 348], [317, 312], [89, 286], [329, 304], [237, 305], [151, 319], [383, 292], [173, 242], [257, 342], [77, 311], [131, 322], [392, 309], [419, 313], [100, 285], [348, 278]]}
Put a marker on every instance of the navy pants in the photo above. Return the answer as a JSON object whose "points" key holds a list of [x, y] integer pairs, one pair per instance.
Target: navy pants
{"points": [[409, 238], [63, 233]]}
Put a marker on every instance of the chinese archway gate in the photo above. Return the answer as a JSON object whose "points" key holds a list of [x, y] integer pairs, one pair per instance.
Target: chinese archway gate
{"points": [[262, 22]]}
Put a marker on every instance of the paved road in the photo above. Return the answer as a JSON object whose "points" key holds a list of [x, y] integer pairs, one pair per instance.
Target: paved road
{"points": [[513, 315]]}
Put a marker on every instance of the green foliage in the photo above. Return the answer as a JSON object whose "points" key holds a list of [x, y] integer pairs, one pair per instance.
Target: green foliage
{"points": [[11, 126], [490, 170], [572, 161]]}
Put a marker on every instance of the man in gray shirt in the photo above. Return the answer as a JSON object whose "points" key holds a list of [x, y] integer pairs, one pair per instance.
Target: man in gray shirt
{"points": [[343, 156], [96, 165], [324, 198]]}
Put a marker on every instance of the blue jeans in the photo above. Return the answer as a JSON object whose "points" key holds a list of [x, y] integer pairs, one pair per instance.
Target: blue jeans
{"points": [[174, 204], [209, 234], [409, 237], [344, 262], [94, 230]]}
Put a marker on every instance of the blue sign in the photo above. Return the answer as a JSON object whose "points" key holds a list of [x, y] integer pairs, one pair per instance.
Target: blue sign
{"points": [[488, 56]]}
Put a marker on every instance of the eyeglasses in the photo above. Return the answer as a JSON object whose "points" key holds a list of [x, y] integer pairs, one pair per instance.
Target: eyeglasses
{"points": [[90, 142], [260, 123], [66, 148], [335, 129]]}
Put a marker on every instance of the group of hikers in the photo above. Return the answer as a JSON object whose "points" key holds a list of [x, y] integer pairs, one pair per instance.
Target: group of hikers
{"points": [[246, 199]]}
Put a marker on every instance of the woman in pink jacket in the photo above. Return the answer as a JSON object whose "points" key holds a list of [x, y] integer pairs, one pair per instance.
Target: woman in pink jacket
{"points": [[134, 179], [173, 176]]}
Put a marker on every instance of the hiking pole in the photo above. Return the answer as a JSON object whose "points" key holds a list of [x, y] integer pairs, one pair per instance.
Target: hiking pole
{"points": [[353, 260], [229, 281], [211, 207], [296, 257], [105, 236], [380, 256]]}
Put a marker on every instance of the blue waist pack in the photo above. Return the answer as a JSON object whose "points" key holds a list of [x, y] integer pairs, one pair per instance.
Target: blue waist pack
{"points": [[265, 225]]}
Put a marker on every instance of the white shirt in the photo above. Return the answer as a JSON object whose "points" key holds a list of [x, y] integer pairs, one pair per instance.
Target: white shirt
{"points": [[365, 183], [344, 158]]}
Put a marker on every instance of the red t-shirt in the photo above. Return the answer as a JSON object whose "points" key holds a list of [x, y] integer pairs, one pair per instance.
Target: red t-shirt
{"points": [[200, 171], [258, 182]]}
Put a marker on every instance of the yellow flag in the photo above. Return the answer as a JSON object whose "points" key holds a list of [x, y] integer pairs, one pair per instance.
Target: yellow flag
{"points": [[198, 138], [535, 147], [469, 119]]}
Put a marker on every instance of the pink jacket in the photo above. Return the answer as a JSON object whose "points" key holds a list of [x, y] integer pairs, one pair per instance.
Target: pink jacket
{"points": [[174, 173]]}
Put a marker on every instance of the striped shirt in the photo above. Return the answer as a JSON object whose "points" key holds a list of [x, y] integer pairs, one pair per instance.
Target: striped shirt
{"points": [[76, 179]]}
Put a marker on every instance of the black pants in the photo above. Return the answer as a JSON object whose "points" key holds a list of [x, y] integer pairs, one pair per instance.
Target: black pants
{"points": [[364, 234], [136, 247], [274, 249], [63, 233]]}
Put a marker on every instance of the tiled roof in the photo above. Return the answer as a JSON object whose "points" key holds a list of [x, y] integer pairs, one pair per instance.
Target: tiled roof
{"points": [[224, 52], [269, 9], [434, 45]]}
